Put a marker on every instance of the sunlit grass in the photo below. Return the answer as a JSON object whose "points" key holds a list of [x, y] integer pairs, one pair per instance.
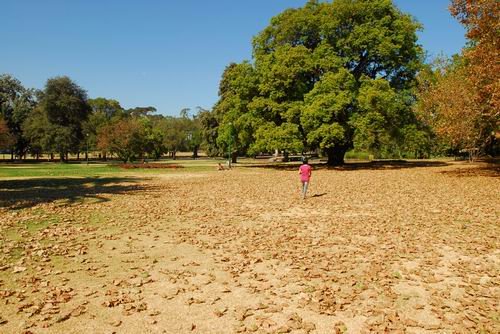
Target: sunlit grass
{"points": [[55, 169]]}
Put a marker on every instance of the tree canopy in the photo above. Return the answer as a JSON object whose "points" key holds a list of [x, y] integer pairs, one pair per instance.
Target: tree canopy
{"points": [[323, 76], [16, 103], [458, 97], [62, 109]]}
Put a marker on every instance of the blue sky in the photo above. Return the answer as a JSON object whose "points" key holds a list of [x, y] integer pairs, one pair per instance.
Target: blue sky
{"points": [[168, 54]]}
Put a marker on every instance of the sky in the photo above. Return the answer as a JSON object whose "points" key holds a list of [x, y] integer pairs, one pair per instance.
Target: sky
{"points": [[167, 54]]}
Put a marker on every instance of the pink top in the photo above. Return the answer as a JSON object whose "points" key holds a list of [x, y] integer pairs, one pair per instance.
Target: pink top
{"points": [[305, 172]]}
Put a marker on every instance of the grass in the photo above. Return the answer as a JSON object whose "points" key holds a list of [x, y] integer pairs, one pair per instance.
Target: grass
{"points": [[354, 155], [54, 169], [29, 227]]}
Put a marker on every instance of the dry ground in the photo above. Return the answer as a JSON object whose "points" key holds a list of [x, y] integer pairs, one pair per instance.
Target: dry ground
{"points": [[377, 249]]}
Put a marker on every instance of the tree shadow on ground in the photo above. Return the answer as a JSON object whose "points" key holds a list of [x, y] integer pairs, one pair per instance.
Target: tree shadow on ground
{"points": [[25, 193], [348, 166], [490, 170]]}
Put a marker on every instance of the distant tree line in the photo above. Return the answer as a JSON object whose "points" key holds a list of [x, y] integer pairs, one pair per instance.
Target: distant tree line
{"points": [[327, 78], [61, 120]]}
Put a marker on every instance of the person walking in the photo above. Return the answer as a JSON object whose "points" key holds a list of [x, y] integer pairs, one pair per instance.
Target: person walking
{"points": [[305, 171]]}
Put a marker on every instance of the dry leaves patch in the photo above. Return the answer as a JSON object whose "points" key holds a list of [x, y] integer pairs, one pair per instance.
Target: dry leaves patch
{"points": [[399, 250]]}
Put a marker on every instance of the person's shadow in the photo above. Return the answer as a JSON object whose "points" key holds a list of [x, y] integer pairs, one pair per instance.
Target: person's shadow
{"points": [[319, 195]]}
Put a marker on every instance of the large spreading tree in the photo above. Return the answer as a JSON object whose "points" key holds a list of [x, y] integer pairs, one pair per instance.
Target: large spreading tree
{"points": [[327, 75]]}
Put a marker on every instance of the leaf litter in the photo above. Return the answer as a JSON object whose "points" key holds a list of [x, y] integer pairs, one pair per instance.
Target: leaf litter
{"points": [[393, 250]]}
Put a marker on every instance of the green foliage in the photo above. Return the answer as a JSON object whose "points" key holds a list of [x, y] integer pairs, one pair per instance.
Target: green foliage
{"points": [[209, 131], [103, 112], [175, 137], [66, 108], [35, 129], [358, 155], [125, 137], [418, 143], [327, 76], [65, 102], [16, 103], [140, 111], [377, 123], [66, 121], [45, 136], [226, 136], [92, 126], [326, 109], [234, 122], [154, 138], [109, 108]]}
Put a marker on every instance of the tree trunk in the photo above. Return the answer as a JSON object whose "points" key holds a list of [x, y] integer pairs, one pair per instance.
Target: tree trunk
{"points": [[61, 157], [174, 153], [234, 157], [195, 152], [336, 155], [286, 156], [78, 156]]}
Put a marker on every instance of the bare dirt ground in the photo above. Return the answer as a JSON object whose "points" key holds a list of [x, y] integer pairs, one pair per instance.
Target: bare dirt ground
{"points": [[375, 249]]}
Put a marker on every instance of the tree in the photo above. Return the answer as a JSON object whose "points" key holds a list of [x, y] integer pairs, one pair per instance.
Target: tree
{"points": [[6, 138], [417, 142], [140, 111], [153, 136], [194, 133], [209, 131], [282, 138], [37, 130], [310, 67], [66, 107], [448, 103], [103, 112], [109, 107], [174, 138], [235, 121], [125, 138], [16, 104], [482, 68], [155, 147]]}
